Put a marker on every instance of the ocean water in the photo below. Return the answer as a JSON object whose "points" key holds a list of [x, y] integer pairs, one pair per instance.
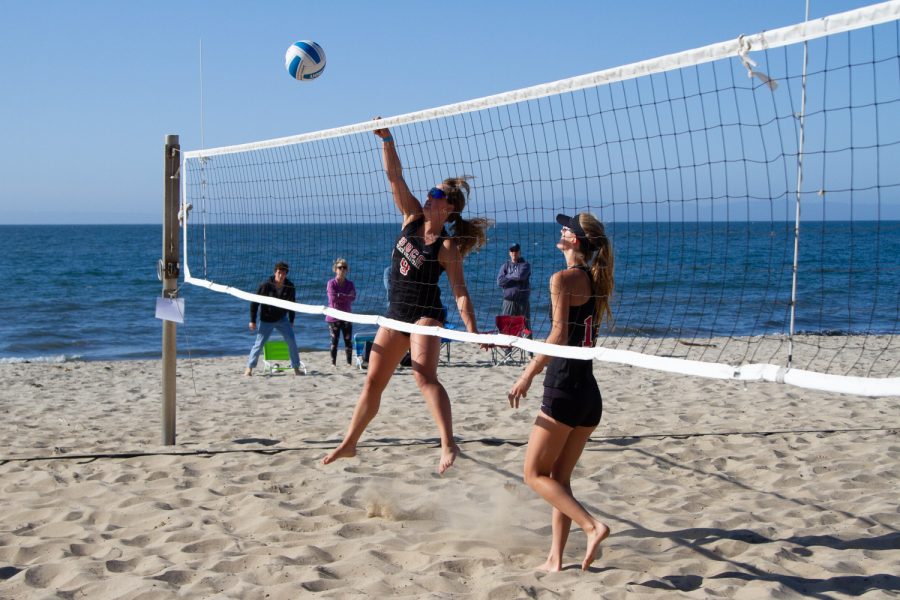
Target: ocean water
{"points": [[86, 292]]}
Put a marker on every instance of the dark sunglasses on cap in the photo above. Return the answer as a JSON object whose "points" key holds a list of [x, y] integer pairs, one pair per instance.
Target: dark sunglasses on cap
{"points": [[436, 193]]}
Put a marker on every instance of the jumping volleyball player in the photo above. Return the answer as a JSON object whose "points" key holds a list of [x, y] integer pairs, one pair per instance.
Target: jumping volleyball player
{"points": [[571, 408], [422, 252]]}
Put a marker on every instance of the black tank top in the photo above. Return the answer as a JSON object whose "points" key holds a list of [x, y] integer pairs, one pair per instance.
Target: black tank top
{"points": [[570, 373], [415, 270]]}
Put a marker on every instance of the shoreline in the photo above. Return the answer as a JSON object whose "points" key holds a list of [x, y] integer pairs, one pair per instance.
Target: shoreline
{"points": [[731, 350]]}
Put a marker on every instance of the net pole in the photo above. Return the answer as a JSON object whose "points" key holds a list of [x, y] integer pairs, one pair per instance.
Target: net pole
{"points": [[171, 202], [794, 270]]}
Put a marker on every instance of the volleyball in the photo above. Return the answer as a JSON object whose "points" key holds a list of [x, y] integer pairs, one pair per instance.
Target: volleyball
{"points": [[304, 60]]}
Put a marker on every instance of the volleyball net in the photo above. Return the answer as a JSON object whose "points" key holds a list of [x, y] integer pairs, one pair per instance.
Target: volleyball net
{"points": [[750, 188]]}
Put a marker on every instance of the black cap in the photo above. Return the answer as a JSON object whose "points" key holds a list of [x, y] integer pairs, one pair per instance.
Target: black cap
{"points": [[573, 224], [515, 248]]}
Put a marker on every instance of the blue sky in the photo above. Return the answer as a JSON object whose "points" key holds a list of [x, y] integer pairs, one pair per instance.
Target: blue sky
{"points": [[90, 89]]}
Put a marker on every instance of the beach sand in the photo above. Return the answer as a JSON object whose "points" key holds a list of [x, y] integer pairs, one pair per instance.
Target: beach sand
{"points": [[713, 489]]}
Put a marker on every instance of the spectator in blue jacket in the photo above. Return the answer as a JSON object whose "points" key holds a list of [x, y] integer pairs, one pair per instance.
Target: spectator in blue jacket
{"points": [[513, 279]]}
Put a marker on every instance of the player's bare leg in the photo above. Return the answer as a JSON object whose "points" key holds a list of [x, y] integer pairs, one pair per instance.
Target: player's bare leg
{"points": [[387, 350], [553, 451], [425, 351]]}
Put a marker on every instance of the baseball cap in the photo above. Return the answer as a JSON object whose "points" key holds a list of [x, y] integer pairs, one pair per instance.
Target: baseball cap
{"points": [[573, 224], [515, 248]]}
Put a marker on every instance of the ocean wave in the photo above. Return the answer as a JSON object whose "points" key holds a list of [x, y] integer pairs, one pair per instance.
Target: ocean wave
{"points": [[57, 359]]}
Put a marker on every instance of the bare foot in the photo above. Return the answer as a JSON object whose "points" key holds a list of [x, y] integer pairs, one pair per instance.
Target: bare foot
{"points": [[550, 566], [448, 455], [601, 532], [341, 451]]}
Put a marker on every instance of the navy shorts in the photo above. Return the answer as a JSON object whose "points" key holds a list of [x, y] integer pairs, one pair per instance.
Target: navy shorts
{"points": [[581, 408]]}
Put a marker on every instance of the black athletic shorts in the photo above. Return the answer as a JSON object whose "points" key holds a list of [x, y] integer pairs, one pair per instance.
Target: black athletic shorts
{"points": [[581, 408]]}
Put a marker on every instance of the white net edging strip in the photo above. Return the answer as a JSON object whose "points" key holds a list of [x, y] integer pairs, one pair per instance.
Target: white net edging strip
{"points": [[860, 386]]}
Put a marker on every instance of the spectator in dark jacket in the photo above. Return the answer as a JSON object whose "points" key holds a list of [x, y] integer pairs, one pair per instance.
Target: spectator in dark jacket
{"points": [[274, 317], [513, 278]]}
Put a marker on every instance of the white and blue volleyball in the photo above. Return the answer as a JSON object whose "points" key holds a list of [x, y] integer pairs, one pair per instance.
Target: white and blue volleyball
{"points": [[304, 60]]}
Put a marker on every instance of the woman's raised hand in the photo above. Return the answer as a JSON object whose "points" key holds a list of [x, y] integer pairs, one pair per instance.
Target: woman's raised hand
{"points": [[382, 133]]}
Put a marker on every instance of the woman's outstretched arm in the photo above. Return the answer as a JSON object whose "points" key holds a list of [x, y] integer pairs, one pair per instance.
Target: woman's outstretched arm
{"points": [[452, 261], [408, 205], [559, 333]]}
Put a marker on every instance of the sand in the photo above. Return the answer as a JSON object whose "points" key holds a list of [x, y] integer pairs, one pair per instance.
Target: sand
{"points": [[712, 489]]}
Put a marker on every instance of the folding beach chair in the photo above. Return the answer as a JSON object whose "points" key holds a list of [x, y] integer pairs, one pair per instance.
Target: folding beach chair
{"points": [[275, 351], [510, 325], [362, 346], [445, 342]]}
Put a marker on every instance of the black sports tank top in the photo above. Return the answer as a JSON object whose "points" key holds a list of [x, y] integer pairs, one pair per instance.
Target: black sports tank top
{"points": [[570, 373], [415, 270]]}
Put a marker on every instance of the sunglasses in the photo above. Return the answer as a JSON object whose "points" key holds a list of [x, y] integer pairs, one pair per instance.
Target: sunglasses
{"points": [[341, 267], [436, 193]]}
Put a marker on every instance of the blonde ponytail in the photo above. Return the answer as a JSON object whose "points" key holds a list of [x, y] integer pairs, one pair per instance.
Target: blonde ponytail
{"points": [[602, 267], [469, 234]]}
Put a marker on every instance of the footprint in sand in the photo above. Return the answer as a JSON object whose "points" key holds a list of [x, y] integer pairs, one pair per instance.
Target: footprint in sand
{"points": [[176, 577], [43, 576], [206, 546], [121, 566]]}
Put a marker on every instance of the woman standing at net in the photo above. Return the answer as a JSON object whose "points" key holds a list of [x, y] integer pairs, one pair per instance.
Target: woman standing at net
{"points": [[423, 250], [341, 294], [571, 407]]}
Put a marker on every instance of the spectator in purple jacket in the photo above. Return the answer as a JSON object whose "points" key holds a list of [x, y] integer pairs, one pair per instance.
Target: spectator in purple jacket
{"points": [[514, 280], [341, 294]]}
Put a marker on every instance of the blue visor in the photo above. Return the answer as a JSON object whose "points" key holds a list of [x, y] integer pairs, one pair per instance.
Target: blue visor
{"points": [[437, 194]]}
